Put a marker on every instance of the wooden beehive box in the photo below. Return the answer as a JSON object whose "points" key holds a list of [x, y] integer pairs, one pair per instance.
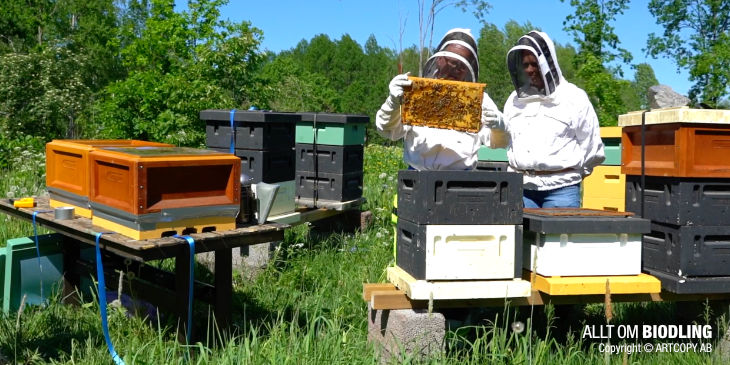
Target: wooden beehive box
{"points": [[148, 180], [67, 162], [443, 104]]}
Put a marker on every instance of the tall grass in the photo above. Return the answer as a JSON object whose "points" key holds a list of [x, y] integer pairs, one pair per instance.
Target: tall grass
{"points": [[306, 308]]}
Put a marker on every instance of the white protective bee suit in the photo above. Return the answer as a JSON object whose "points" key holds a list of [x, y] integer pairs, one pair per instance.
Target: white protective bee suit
{"points": [[554, 131], [426, 148]]}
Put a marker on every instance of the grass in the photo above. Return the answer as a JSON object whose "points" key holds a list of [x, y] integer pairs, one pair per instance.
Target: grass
{"points": [[305, 308]]}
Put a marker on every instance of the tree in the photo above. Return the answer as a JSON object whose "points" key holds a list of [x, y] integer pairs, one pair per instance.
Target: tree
{"points": [[427, 19], [696, 36], [180, 64], [644, 78], [591, 29]]}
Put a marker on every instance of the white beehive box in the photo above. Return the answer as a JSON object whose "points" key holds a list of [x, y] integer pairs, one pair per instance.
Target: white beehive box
{"points": [[582, 254], [471, 252]]}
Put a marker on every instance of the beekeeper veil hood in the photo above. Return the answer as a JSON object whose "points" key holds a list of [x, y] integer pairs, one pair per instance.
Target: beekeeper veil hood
{"points": [[455, 58], [533, 65]]}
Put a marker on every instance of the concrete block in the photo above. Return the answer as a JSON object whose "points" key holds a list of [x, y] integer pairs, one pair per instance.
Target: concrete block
{"points": [[406, 333]]}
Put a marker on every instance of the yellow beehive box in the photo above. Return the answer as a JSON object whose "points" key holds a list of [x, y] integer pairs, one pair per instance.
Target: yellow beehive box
{"points": [[443, 104], [605, 182], [612, 204]]}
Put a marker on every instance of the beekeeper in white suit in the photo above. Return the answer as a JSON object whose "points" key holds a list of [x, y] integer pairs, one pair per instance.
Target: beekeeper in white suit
{"points": [[426, 148], [554, 131]]}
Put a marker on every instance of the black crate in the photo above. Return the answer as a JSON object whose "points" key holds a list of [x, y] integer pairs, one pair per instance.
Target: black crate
{"points": [[680, 201], [330, 159], [692, 285], [492, 166], [266, 166], [332, 187], [687, 250], [557, 224], [411, 249], [254, 129], [460, 197]]}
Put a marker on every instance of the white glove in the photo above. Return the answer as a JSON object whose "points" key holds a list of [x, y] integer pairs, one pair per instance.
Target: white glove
{"points": [[492, 119], [396, 88]]}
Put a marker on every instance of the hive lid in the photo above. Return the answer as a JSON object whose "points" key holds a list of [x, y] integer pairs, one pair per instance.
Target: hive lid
{"points": [[443, 104], [257, 116], [676, 115], [162, 151], [335, 118], [581, 220]]}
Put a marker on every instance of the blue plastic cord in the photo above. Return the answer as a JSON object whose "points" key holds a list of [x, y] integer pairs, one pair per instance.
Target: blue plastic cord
{"points": [[38, 250], [102, 304], [232, 148], [191, 242]]}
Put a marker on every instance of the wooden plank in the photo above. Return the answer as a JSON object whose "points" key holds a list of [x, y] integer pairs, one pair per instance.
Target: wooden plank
{"points": [[587, 285], [369, 288], [390, 299], [82, 230]]}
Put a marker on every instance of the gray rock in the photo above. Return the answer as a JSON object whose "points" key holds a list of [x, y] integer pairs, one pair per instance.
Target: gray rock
{"points": [[662, 96]]}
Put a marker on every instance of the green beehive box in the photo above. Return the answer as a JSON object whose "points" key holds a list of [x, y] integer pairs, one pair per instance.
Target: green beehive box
{"points": [[492, 154], [612, 149], [332, 129], [22, 275]]}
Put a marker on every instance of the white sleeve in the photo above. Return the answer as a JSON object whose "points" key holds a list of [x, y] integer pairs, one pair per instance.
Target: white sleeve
{"points": [[588, 134], [388, 121]]}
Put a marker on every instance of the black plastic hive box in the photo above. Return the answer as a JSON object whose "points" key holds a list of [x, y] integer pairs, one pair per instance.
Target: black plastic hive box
{"points": [[332, 187], [692, 285], [460, 197], [330, 159], [680, 201], [687, 250], [254, 129], [266, 166]]}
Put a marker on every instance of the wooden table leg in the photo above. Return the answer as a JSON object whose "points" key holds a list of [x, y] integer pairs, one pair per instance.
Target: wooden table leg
{"points": [[223, 287], [182, 286], [71, 278]]}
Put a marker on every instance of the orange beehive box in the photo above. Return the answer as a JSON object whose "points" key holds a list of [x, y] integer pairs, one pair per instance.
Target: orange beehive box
{"points": [[67, 161], [67, 169], [677, 149], [443, 104], [150, 179]]}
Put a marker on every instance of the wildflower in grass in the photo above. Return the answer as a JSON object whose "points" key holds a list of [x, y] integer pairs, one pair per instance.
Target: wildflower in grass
{"points": [[382, 175]]}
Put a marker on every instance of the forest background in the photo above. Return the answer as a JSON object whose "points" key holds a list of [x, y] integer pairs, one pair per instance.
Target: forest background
{"points": [[142, 69]]}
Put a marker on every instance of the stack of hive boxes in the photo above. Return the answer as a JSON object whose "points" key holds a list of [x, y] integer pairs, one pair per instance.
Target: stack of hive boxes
{"points": [[329, 157], [686, 190], [459, 225], [605, 188], [146, 191], [264, 141]]}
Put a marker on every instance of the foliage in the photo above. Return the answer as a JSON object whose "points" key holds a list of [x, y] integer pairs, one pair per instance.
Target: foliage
{"points": [[180, 64], [603, 90], [697, 37], [643, 79], [592, 31], [42, 93]]}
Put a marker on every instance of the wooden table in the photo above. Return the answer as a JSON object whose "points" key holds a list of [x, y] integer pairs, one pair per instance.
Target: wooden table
{"points": [[168, 291]]}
